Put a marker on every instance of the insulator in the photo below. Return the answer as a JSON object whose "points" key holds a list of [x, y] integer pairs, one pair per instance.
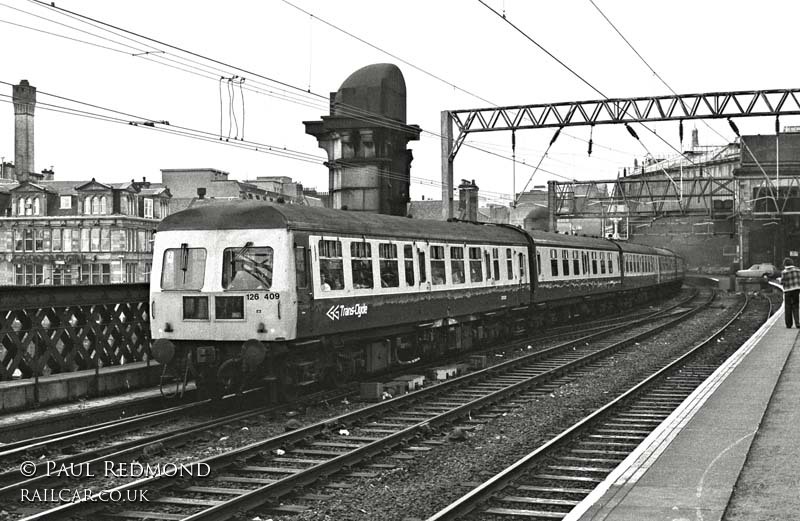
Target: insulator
{"points": [[555, 136], [631, 131], [734, 127], [680, 130]]}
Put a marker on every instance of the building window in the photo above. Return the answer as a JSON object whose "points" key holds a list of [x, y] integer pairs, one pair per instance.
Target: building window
{"points": [[96, 274], [39, 239], [147, 269], [21, 206], [361, 264], [66, 202], [105, 239], [130, 272], [29, 274], [103, 205], [28, 240], [148, 208], [95, 205], [95, 239], [62, 275], [37, 209], [57, 239]]}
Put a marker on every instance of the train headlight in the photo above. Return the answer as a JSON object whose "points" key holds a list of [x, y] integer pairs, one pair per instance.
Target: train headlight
{"points": [[163, 350]]}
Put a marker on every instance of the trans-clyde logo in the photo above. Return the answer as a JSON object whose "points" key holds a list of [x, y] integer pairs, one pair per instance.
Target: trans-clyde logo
{"points": [[340, 311]]}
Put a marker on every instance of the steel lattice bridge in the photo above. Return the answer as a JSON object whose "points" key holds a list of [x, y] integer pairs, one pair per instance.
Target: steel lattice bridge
{"points": [[715, 105]]}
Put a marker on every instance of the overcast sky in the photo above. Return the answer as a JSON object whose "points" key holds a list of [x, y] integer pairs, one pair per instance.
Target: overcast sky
{"points": [[695, 46]]}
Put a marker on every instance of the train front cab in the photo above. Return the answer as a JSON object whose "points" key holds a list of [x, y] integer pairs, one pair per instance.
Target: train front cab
{"points": [[222, 301]]}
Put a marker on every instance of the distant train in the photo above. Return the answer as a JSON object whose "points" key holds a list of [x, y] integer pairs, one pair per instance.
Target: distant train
{"points": [[300, 296]]}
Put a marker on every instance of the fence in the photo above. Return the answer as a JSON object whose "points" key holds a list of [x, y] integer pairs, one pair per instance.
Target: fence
{"points": [[56, 329]]}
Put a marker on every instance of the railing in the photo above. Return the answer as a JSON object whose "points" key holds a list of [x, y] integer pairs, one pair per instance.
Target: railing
{"points": [[56, 329]]}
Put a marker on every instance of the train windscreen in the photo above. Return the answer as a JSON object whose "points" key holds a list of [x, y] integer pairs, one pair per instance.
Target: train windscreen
{"points": [[247, 267], [183, 268]]}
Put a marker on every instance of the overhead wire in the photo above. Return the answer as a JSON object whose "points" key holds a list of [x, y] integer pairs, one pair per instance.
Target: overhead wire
{"points": [[662, 80], [574, 73], [286, 95], [340, 105], [171, 128]]}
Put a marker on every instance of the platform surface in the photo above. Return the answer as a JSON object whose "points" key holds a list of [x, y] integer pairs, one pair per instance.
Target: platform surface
{"points": [[687, 469]]}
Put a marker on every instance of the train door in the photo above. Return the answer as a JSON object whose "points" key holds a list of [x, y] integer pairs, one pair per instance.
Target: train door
{"points": [[302, 265]]}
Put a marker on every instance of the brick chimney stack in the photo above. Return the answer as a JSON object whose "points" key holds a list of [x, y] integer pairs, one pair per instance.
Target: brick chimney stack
{"points": [[24, 97]]}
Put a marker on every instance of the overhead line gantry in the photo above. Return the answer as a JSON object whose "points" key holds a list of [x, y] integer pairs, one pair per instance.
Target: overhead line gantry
{"points": [[715, 105]]}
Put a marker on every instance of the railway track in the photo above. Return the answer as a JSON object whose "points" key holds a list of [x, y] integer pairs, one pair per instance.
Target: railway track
{"points": [[54, 439], [253, 475], [554, 478]]}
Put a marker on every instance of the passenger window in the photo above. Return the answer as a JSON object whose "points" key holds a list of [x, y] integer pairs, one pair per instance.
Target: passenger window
{"points": [[361, 264], [331, 269], [554, 263], [538, 264], [509, 264], [438, 274], [594, 263], [521, 266], [576, 265], [602, 263], [390, 277], [457, 264], [488, 257], [408, 262], [610, 263], [475, 269], [496, 263], [565, 262], [422, 270], [300, 262], [585, 262]]}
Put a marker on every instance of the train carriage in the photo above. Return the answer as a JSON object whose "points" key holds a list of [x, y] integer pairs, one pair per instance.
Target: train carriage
{"points": [[305, 295]]}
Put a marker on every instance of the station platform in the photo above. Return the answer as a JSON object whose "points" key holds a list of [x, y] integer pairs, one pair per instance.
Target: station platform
{"points": [[28, 393], [729, 452]]}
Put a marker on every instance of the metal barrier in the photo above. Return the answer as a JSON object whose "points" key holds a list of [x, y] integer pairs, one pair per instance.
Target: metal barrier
{"points": [[56, 329]]}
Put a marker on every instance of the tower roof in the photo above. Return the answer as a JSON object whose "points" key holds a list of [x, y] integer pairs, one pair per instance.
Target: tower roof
{"points": [[378, 88]]}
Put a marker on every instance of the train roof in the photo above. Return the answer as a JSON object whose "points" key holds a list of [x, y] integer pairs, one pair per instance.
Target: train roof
{"points": [[261, 215], [541, 238], [632, 247]]}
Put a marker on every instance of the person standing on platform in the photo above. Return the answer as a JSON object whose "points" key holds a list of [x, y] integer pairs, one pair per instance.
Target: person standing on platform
{"points": [[790, 279]]}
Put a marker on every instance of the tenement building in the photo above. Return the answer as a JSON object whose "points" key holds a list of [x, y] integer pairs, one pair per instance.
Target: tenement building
{"points": [[72, 232]]}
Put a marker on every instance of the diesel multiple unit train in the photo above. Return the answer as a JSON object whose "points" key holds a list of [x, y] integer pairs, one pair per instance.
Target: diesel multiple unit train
{"points": [[299, 296]]}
